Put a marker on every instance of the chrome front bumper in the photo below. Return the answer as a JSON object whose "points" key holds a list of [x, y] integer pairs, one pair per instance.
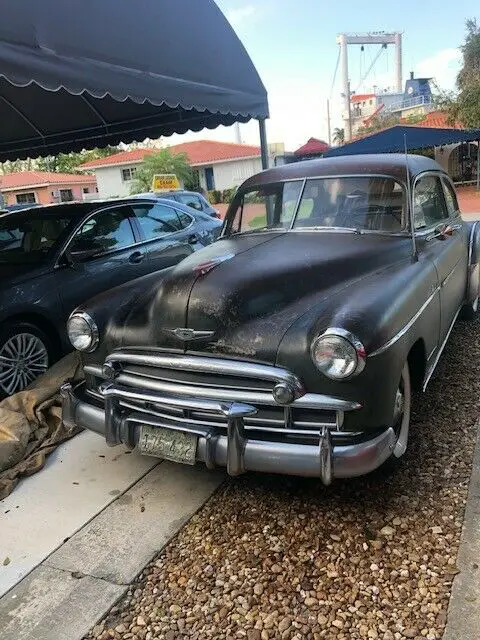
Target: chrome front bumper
{"points": [[235, 451]]}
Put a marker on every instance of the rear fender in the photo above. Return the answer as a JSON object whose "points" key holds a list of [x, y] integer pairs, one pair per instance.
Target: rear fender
{"points": [[473, 262]]}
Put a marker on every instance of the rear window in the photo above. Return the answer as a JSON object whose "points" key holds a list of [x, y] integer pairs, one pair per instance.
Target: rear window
{"points": [[361, 203]]}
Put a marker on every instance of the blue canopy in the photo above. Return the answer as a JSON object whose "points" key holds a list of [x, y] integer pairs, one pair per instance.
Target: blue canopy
{"points": [[393, 140], [84, 73]]}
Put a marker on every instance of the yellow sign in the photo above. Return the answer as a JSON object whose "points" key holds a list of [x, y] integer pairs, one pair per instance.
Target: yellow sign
{"points": [[165, 182]]}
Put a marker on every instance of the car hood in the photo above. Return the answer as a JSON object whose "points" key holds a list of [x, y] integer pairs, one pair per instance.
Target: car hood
{"points": [[247, 291]]}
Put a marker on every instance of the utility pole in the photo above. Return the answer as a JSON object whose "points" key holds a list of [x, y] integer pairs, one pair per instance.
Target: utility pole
{"points": [[329, 124], [349, 112]]}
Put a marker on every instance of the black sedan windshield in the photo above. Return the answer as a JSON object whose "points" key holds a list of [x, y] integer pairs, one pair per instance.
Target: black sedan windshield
{"points": [[361, 203], [30, 239]]}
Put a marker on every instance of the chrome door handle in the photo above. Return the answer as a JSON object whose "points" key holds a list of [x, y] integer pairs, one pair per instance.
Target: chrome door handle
{"points": [[136, 257]]}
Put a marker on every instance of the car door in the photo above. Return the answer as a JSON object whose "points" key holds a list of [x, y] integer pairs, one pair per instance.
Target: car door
{"points": [[441, 235], [169, 236], [104, 252]]}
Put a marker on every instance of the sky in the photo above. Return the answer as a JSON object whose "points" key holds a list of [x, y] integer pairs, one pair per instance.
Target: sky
{"points": [[292, 43]]}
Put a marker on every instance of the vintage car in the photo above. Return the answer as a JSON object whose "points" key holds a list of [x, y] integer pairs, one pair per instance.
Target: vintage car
{"points": [[293, 343]]}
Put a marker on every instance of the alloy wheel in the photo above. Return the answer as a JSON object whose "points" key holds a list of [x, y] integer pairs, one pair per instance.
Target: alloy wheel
{"points": [[23, 357]]}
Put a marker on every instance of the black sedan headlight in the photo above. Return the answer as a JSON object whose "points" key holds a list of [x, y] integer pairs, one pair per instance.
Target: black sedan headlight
{"points": [[338, 354], [82, 332]]}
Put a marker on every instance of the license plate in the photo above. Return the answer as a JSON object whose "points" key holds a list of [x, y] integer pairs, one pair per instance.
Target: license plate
{"points": [[168, 444]]}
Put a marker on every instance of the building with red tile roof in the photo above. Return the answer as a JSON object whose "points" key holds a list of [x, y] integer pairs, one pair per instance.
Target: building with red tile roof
{"points": [[313, 147], [45, 187], [220, 165]]}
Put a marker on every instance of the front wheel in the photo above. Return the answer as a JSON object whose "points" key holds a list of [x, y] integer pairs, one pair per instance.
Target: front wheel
{"points": [[401, 421], [25, 353]]}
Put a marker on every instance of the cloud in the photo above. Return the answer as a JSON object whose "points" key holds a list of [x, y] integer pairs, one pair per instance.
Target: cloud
{"points": [[240, 15], [443, 67]]}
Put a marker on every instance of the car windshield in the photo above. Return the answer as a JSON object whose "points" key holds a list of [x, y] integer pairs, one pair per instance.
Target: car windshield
{"points": [[361, 203], [29, 239]]}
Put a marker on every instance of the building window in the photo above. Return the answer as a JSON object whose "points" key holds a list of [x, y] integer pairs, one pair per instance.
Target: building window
{"points": [[86, 190], [26, 198], [66, 195], [129, 174]]}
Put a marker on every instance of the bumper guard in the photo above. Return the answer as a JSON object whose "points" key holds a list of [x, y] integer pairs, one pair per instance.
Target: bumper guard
{"points": [[234, 451]]}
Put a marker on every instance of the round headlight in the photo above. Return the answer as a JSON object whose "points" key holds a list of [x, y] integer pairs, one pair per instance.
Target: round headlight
{"points": [[338, 356], [82, 332]]}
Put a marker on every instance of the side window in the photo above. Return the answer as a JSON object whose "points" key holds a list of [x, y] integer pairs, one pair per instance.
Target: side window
{"points": [[428, 202], [190, 200], [105, 231], [156, 220], [450, 197], [185, 219]]}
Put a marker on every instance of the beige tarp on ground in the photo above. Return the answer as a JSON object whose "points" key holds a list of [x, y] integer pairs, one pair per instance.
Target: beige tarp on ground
{"points": [[31, 425]]}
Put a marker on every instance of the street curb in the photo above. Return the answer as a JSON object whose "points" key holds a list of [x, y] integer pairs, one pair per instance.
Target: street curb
{"points": [[463, 621]]}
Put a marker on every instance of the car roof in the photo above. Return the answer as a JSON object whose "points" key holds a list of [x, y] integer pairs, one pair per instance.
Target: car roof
{"points": [[65, 209], [172, 192], [390, 164]]}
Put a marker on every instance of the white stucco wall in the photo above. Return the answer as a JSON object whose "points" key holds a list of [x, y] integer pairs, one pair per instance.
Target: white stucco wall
{"points": [[110, 183], [226, 175], [232, 174]]}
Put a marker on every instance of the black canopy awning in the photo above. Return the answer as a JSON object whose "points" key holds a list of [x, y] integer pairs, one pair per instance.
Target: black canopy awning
{"points": [[84, 73], [393, 140]]}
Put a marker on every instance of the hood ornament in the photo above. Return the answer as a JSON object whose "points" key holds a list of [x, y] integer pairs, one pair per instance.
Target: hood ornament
{"points": [[204, 267], [186, 334]]}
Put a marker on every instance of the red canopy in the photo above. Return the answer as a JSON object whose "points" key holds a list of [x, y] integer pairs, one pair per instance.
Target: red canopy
{"points": [[314, 146]]}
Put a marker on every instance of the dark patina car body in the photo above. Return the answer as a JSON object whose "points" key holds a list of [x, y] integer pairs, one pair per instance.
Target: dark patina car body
{"points": [[290, 345]]}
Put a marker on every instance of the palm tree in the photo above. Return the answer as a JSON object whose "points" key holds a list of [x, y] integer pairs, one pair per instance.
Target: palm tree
{"points": [[338, 136], [164, 161]]}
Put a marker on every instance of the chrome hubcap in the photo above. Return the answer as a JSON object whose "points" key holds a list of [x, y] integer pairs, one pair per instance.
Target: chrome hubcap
{"points": [[23, 358], [401, 412]]}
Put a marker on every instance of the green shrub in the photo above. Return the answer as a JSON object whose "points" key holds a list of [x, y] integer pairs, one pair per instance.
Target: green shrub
{"points": [[214, 196], [228, 195]]}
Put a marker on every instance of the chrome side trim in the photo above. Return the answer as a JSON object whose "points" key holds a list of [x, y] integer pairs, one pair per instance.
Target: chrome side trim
{"points": [[404, 329], [440, 351], [447, 278], [211, 366]]}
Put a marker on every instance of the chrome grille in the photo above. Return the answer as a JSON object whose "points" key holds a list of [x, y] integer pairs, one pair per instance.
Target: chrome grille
{"points": [[221, 380]]}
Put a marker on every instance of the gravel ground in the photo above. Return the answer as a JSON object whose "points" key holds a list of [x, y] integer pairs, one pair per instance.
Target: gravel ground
{"points": [[273, 557]]}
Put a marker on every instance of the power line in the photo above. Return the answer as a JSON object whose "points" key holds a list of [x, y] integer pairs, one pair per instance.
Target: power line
{"points": [[335, 73]]}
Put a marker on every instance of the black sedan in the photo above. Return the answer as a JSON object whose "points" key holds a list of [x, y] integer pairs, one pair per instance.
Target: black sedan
{"points": [[292, 344], [53, 258]]}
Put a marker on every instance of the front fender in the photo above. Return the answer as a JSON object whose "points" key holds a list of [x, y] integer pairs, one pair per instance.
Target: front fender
{"points": [[389, 312]]}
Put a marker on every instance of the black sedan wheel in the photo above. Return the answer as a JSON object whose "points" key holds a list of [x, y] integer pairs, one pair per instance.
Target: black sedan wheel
{"points": [[25, 353], [402, 411]]}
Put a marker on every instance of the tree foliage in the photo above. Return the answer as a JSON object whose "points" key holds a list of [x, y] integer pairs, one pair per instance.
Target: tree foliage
{"points": [[465, 106], [70, 162], [338, 136], [164, 161]]}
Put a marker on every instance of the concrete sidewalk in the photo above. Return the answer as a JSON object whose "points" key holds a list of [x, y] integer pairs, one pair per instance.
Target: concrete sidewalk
{"points": [[463, 622], [75, 535]]}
